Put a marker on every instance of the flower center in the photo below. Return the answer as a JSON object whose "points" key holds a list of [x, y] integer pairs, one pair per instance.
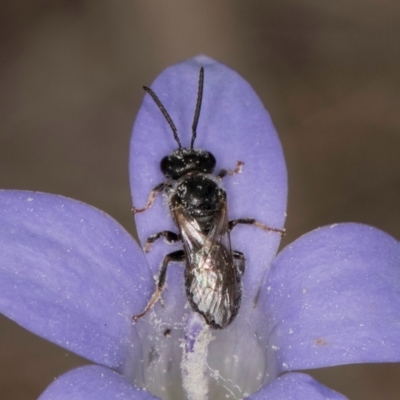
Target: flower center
{"points": [[190, 360]]}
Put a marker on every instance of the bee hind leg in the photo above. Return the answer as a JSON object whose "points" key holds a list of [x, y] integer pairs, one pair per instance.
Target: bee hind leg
{"points": [[176, 256], [252, 221], [170, 237], [240, 261]]}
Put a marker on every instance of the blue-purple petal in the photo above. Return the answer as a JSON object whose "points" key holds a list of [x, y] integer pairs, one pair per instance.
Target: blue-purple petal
{"points": [[71, 274], [234, 126], [93, 383], [296, 386], [333, 297]]}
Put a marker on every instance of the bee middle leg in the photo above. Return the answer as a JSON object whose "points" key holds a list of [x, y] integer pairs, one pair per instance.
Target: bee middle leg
{"points": [[252, 221], [170, 237], [176, 256]]}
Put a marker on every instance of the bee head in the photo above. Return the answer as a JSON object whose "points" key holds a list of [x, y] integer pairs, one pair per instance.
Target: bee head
{"points": [[182, 161]]}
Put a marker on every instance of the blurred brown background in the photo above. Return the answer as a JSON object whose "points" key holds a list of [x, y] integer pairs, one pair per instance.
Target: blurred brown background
{"points": [[71, 73]]}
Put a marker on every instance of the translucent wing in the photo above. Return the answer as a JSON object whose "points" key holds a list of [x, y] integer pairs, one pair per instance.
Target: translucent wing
{"points": [[212, 284]]}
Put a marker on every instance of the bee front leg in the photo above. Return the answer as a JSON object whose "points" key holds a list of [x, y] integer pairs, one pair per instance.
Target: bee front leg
{"points": [[176, 256], [237, 170], [252, 221], [158, 189], [169, 236]]}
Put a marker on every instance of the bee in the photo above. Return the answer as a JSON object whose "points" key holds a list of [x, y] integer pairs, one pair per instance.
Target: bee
{"points": [[198, 206]]}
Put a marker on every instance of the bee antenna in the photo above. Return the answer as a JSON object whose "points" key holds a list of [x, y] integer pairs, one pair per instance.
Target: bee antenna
{"points": [[165, 113], [198, 106]]}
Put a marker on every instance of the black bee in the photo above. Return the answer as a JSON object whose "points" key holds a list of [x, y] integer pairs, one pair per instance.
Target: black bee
{"points": [[199, 208]]}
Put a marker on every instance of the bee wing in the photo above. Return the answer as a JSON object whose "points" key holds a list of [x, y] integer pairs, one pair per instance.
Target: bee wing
{"points": [[212, 285], [192, 236], [195, 240]]}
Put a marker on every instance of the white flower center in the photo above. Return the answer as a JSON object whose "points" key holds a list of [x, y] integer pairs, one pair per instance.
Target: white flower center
{"points": [[191, 361]]}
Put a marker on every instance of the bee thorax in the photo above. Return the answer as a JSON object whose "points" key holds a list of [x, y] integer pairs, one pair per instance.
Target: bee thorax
{"points": [[199, 195]]}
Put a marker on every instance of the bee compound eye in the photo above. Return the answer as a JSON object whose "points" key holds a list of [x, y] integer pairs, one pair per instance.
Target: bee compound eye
{"points": [[164, 164], [210, 162], [171, 167]]}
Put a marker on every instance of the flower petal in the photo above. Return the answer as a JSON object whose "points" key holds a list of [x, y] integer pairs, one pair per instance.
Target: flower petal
{"points": [[234, 126], [93, 383], [334, 298], [70, 274], [296, 386]]}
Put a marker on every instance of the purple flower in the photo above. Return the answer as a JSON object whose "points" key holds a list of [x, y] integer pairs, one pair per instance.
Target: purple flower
{"points": [[72, 275]]}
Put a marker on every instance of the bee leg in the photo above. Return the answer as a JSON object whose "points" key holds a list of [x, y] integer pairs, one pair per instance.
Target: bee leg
{"points": [[237, 170], [169, 236], [176, 256], [240, 261], [252, 221], [158, 189]]}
